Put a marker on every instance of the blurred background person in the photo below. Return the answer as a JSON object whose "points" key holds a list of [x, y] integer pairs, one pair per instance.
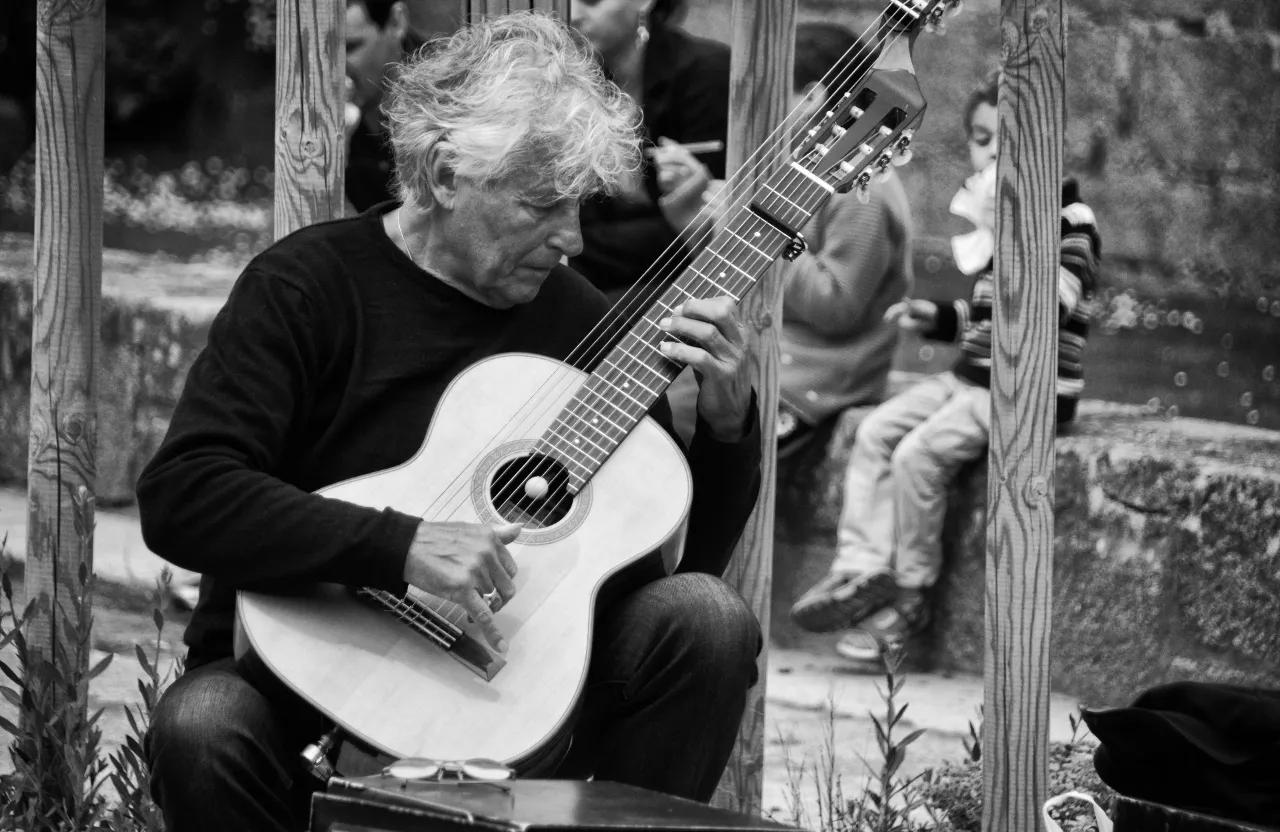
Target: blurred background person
{"points": [[379, 35], [909, 449], [681, 83], [836, 349]]}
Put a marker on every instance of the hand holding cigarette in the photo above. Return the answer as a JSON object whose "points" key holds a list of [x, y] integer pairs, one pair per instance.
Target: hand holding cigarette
{"points": [[693, 148]]}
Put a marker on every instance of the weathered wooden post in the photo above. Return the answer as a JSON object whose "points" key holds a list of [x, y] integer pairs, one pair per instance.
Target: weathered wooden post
{"points": [[66, 295], [1020, 493], [476, 9], [310, 151], [763, 48]]}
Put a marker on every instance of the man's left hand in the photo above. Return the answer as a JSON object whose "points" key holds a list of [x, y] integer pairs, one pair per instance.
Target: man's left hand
{"points": [[716, 348]]}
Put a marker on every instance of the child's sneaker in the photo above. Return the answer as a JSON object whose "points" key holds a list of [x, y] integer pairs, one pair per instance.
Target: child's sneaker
{"points": [[839, 601], [891, 626]]}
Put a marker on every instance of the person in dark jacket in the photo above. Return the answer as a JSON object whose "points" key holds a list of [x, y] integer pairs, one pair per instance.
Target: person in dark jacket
{"points": [[327, 362], [379, 35], [681, 84]]}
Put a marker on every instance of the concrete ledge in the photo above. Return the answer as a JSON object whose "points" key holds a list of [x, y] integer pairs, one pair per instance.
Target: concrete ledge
{"points": [[1166, 562], [155, 319]]}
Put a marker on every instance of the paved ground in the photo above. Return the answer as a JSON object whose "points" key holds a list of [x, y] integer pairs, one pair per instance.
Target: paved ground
{"points": [[801, 686]]}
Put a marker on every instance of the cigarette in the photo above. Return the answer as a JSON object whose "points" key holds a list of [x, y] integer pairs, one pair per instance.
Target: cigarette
{"points": [[696, 148]]}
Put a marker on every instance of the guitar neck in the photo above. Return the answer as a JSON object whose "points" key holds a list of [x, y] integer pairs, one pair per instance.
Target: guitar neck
{"points": [[631, 377]]}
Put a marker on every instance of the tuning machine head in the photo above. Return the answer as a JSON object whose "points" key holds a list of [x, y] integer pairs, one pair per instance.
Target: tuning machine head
{"points": [[936, 25], [902, 152]]}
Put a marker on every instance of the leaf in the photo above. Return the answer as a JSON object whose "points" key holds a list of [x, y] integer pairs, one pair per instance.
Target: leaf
{"points": [[910, 738], [9, 726], [8, 671], [894, 759], [158, 618], [97, 669], [143, 660], [881, 738]]}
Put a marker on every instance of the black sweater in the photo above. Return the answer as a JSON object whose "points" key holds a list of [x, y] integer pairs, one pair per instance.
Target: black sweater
{"points": [[326, 363]]}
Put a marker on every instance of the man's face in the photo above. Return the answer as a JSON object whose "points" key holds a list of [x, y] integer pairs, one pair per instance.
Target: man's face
{"points": [[370, 50], [506, 237], [609, 25]]}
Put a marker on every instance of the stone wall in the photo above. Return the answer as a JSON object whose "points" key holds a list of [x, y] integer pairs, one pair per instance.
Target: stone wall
{"points": [[1166, 553], [155, 319], [1173, 109]]}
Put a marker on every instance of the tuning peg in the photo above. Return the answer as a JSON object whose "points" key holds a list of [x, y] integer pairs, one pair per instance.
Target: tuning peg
{"points": [[935, 26], [902, 150], [884, 167], [861, 189]]}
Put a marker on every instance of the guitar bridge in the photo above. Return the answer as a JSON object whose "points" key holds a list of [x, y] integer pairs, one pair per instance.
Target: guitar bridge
{"points": [[469, 651]]}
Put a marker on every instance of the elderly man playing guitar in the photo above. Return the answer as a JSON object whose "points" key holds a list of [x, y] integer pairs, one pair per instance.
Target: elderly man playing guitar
{"points": [[328, 364]]}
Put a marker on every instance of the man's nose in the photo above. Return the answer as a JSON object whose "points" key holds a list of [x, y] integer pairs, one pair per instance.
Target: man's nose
{"points": [[567, 237]]}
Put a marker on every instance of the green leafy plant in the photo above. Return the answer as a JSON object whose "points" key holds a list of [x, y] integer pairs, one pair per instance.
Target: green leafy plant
{"points": [[888, 802], [60, 773], [129, 775], [58, 769], [955, 789]]}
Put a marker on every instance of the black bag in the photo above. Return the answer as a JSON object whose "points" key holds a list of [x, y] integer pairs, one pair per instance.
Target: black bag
{"points": [[1206, 748]]}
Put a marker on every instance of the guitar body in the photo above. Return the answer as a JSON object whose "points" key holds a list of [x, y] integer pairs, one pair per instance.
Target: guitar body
{"points": [[397, 691]]}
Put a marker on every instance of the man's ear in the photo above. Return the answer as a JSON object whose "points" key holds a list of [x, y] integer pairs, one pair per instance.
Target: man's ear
{"points": [[444, 180]]}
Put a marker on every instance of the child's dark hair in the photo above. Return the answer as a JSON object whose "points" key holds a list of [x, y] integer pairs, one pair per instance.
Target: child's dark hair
{"points": [[987, 93], [819, 46], [379, 10]]}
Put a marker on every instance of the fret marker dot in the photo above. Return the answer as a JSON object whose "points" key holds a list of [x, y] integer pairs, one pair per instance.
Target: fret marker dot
{"points": [[577, 441]]}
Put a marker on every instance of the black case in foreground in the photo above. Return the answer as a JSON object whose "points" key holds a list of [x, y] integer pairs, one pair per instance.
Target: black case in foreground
{"points": [[386, 804]]}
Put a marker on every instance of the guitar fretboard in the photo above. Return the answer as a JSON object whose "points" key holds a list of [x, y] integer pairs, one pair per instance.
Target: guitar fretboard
{"points": [[628, 381]]}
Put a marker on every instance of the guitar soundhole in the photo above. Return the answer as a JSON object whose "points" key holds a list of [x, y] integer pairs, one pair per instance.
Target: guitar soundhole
{"points": [[533, 490]]}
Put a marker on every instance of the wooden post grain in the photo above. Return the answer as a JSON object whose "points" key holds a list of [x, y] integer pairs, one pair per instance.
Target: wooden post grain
{"points": [[310, 154], [1032, 112], [477, 9], [67, 291], [763, 46]]}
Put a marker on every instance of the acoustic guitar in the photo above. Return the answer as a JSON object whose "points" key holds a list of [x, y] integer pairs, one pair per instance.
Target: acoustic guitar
{"points": [[603, 492]]}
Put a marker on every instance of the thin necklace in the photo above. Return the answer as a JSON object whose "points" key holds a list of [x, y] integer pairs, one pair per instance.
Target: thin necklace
{"points": [[405, 240]]}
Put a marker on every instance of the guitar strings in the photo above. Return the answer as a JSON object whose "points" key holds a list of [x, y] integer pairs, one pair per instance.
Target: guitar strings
{"points": [[652, 286], [841, 70]]}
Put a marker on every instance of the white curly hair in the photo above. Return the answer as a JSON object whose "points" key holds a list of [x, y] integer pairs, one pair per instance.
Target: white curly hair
{"points": [[510, 94]]}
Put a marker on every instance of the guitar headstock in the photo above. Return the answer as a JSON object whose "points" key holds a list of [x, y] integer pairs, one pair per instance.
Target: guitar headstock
{"points": [[870, 127], [917, 15]]}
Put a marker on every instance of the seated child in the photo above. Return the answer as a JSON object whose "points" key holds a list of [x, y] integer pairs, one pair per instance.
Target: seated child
{"points": [[907, 450]]}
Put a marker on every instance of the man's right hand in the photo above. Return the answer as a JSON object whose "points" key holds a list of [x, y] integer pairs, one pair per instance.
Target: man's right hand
{"points": [[913, 315], [462, 562]]}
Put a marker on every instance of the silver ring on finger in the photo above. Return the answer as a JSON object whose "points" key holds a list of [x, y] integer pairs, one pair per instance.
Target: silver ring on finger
{"points": [[492, 599]]}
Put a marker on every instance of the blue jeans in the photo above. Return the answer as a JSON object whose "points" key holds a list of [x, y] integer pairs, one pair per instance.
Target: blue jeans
{"points": [[671, 666], [905, 454]]}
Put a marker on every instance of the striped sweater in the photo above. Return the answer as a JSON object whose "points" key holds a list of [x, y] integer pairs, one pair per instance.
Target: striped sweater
{"points": [[969, 321]]}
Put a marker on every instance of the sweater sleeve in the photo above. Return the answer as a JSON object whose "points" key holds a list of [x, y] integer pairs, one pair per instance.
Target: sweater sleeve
{"points": [[212, 500], [1078, 259], [726, 482], [831, 288]]}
